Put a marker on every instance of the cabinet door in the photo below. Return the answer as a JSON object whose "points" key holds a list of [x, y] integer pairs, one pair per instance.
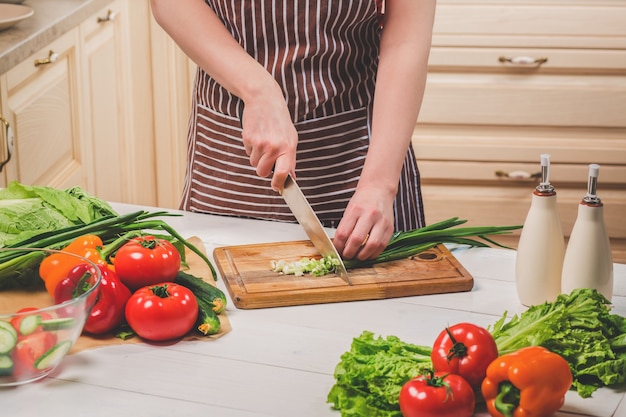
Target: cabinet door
{"points": [[40, 101], [110, 109], [173, 75]]}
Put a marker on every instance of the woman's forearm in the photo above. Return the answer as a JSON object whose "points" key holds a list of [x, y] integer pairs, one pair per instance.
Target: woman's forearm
{"points": [[400, 83], [198, 31]]}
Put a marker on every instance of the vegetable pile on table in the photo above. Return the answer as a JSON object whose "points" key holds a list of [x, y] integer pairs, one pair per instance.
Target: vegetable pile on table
{"points": [[144, 288], [573, 343]]}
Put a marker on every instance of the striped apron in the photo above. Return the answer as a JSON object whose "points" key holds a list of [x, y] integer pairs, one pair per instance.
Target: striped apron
{"points": [[324, 55]]}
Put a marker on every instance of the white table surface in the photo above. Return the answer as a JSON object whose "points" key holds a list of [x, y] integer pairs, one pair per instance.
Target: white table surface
{"points": [[278, 361]]}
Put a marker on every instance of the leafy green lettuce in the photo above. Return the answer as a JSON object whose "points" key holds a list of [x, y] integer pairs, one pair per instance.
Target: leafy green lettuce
{"points": [[27, 210], [369, 376], [578, 326]]}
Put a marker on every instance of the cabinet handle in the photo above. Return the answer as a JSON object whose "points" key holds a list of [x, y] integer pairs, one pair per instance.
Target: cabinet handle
{"points": [[111, 15], [52, 57], [8, 133], [517, 175], [523, 61]]}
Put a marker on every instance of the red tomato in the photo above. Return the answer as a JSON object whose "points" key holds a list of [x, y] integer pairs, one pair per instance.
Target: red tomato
{"points": [[437, 395], [162, 312], [464, 349], [29, 349], [146, 261]]}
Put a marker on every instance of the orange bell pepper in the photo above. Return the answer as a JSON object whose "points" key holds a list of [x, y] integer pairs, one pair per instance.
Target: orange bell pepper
{"points": [[530, 382], [56, 266]]}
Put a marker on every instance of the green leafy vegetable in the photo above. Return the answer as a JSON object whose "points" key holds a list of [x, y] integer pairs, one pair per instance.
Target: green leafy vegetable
{"points": [[370, 376], [44, 217], [26, 211], [578, 326]]}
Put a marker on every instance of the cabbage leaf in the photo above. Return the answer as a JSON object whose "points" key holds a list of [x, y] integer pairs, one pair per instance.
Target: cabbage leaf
{"points": [[28, 210]]}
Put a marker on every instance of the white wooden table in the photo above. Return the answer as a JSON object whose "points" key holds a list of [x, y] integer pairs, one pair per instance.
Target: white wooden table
{"points": [[275, 362]]}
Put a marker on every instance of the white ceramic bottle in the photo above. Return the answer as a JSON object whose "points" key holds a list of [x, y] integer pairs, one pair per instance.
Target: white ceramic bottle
{"points": [[588, 261], [541, 247]]}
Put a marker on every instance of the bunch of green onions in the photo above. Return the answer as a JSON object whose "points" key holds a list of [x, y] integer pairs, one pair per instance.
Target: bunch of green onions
{"points": [[402, 245], [17, 267], [409, 243]]}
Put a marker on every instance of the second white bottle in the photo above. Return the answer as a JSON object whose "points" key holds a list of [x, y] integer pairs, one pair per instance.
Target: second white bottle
{"points": [[588, 261]]}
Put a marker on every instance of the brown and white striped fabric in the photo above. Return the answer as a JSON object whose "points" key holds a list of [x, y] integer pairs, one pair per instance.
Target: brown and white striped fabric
{"points": [[324, 55]]}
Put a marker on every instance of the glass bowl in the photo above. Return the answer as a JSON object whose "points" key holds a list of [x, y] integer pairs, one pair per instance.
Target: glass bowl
{"points": [[35, 333]]}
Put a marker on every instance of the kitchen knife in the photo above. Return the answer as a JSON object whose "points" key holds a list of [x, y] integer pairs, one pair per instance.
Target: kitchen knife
{"points": [[311, 224]]}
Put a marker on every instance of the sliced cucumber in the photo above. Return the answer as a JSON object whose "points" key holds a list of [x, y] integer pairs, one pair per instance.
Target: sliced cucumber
{"points": [[8, 340], [6, 365], [29, 324], [58, 324], [53, 356], [8, 327]]}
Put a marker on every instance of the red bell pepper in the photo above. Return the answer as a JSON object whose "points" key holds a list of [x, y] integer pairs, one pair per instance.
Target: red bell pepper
{"points": [[76, 282], [108, 312]]}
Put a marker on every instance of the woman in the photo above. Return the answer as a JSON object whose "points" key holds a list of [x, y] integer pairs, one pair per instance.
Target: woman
{"points": [[288, 87]]}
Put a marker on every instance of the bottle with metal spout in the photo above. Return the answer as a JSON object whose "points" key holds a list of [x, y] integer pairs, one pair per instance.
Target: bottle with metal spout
{"points": [[541, 247], [588, 261]]}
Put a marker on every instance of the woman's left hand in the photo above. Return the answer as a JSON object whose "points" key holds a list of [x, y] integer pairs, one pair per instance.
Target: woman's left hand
{"points": [[366, 226]]}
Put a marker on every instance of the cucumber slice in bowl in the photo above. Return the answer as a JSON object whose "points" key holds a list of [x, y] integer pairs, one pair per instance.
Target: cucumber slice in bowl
{"points": [[58, 324], [8, 339], [5, 325], [6, 365], [29, 324], [53, 356]]}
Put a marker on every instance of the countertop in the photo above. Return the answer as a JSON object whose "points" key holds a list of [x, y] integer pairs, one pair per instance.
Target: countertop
{"points": [[279, 361], [51, 19]]}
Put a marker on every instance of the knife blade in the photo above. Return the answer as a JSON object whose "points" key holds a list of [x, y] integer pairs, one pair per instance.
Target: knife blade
{"points": [[311, 224]]}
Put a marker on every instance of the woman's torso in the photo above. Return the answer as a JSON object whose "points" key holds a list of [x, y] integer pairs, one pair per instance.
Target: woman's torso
{"points": [[324, 55]]}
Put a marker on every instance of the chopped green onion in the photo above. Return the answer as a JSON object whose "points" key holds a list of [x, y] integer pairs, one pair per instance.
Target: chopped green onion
{"points": [[315, 267]]}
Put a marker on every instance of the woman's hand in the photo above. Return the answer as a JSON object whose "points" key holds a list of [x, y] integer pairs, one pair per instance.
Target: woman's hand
{"points": [[400, 81], [269, 137], [367, 224]]}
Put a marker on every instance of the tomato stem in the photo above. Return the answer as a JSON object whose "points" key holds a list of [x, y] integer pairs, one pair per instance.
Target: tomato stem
{"points": [[160, 291], [435, 381], [458, 349], [148, 243], [438, 382]]}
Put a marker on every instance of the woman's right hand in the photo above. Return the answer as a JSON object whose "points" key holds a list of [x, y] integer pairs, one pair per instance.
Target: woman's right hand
{"points": [[269, 137]]}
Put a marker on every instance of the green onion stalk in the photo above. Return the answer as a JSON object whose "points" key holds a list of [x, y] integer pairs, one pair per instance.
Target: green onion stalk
{"points": [[410, 243]]}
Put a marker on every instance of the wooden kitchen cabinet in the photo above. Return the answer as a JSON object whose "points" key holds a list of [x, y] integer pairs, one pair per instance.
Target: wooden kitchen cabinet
{"points": [[85, 118], [122, 149], [41, 101], [173, 78], [510, 81]]}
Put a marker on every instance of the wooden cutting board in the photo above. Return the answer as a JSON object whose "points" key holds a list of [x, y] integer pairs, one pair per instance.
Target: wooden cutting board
{"points": [[246, 271]]}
